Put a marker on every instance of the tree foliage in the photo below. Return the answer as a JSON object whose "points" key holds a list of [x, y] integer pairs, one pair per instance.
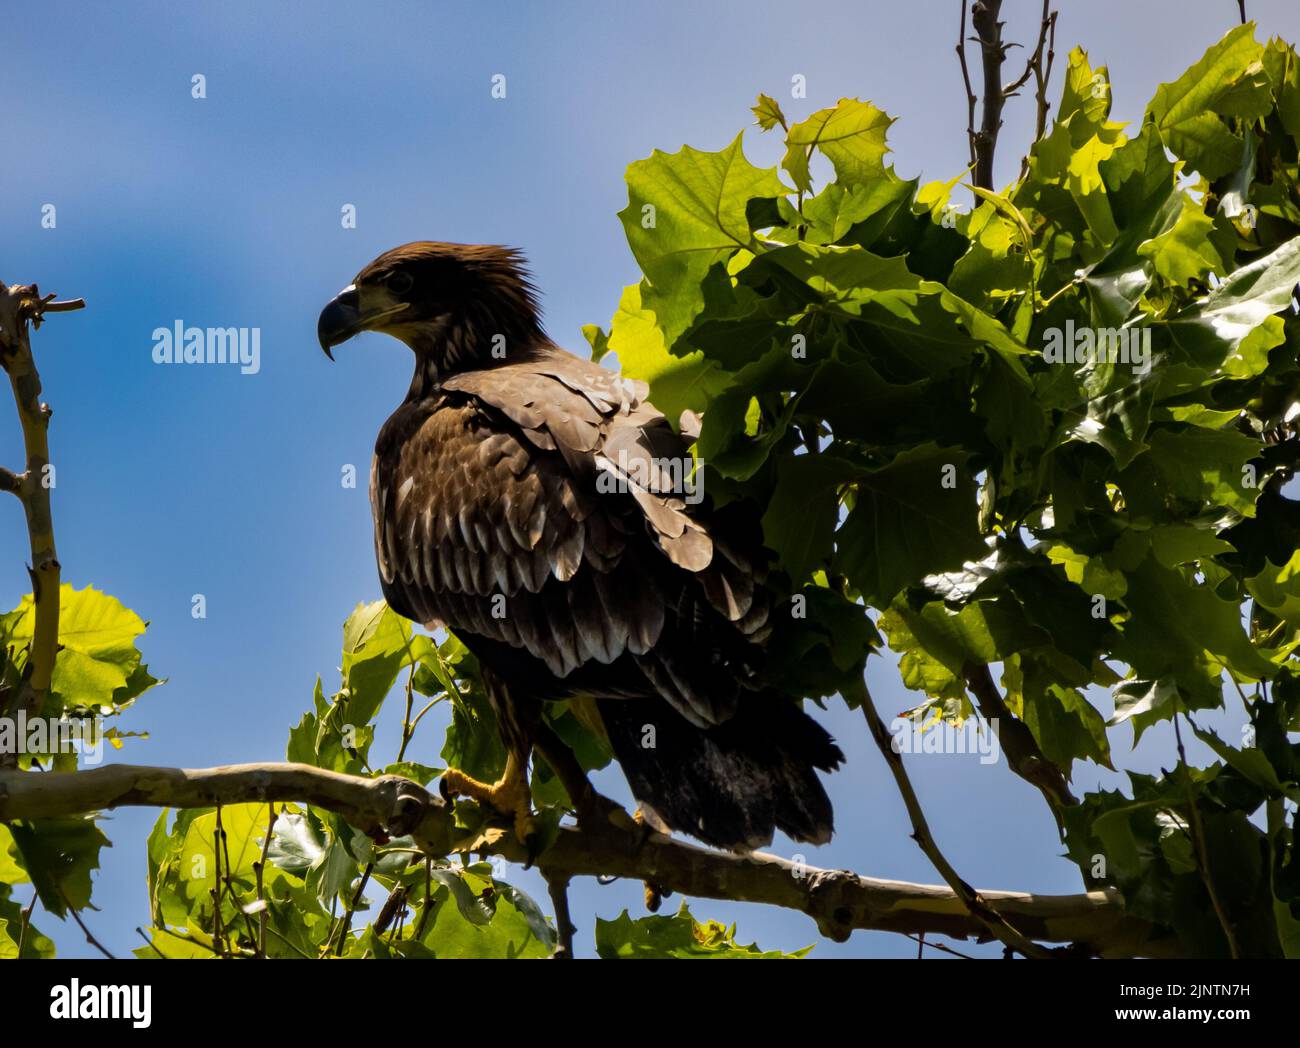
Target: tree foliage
{"points": [[888, 377]]}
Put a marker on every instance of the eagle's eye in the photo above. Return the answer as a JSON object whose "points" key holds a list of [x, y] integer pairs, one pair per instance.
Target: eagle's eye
{"points": [[400, 282]]}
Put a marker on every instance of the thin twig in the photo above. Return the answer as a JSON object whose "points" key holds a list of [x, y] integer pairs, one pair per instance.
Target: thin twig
{"points": [[427, 707], [217, 926], [149, 942], [1197, 830], [923, 944], [428, 898], [229, 883], [408, 728], [997, 925], [345, 928], [27, 922], [259, 868], [86, 931], [557, 884], [1040, 124], [971, 97]]}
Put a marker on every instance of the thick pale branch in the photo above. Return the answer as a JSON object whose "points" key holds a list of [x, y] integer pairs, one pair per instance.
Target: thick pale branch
{"points": [[838, 901]]}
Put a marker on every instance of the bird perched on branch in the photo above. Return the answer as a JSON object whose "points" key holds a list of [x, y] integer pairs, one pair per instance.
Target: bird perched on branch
{"points": [[527, 499]]}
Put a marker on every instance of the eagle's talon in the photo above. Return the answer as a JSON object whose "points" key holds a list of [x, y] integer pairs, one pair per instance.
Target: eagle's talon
{"points": [[509, 795]]}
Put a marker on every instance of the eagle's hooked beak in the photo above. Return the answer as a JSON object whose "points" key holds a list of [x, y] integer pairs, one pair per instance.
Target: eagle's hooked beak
{"points": [[340, 319]]}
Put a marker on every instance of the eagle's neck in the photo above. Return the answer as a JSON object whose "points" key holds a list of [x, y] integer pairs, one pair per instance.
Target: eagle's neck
{"points": [[476, 340], [425, 381]]}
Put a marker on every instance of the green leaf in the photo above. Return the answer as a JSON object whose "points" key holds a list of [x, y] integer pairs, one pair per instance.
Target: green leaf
{"points": [[59, 856], [768, 112], [97, 656], [35, 945], [1228, 81], [1200, 467], [677, 383], [679, 936], [244, 826], [11, 869], [473, 743], [1184, 252], [686, 211], [495, 921], [851, 135], [1212, 330], [800, 519], [911, 518]]}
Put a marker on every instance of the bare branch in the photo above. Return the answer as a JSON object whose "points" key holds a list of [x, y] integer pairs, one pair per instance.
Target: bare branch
{"points": [[1196, 830], [993, 52], [970, 898], [971, 97], [76, 916], [19, 305], [557, 884], [1023, 753], [838, 901], [1043, 74]]}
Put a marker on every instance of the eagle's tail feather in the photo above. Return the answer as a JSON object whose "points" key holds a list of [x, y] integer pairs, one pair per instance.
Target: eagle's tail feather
{"points": [[732, 785]]}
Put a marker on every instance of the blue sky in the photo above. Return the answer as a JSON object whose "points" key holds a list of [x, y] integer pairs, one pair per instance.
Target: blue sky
{"points": [[225, 211]]}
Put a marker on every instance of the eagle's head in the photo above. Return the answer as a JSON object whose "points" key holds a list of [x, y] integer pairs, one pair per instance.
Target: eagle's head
{"points": [[458, 306]]}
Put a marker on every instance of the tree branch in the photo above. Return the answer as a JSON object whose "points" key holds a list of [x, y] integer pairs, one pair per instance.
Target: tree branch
{"points": [[20, 304], [996, 924], [1023, 753], [971, 97], [838, 901], [993, 52], [557, 885]]}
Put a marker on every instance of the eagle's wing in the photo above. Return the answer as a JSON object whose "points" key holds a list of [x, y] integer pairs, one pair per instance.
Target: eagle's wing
{"points": [[491, 516]]}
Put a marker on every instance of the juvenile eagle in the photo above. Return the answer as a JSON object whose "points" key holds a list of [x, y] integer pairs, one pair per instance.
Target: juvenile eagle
{"points": [[526, 499]]}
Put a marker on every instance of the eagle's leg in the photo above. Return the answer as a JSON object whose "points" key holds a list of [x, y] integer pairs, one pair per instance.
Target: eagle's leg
{"points": [[593, 808], [510, 794]]}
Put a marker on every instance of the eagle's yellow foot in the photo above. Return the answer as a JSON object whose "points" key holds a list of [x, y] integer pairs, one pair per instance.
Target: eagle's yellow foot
{"points": [[509, 795]]}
